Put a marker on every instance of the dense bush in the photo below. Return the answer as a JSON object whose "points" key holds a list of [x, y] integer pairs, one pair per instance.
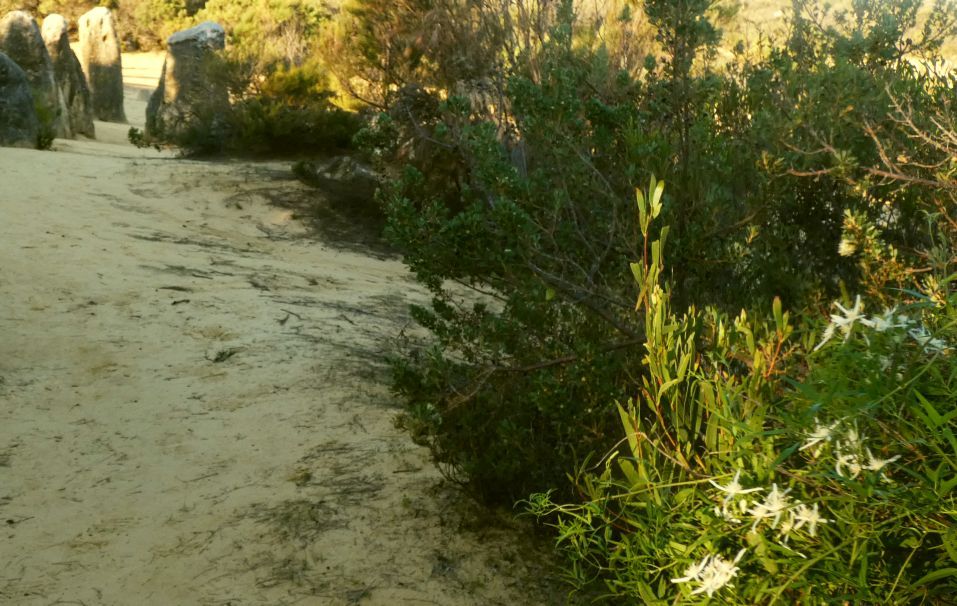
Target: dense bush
{"points": [[283, 32], [526, 374], [274, 110], [760, 471], [146, 24], [770, 158]]}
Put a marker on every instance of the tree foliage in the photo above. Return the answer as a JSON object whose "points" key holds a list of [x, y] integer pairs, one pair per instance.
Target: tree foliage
{"points": [[523, 191]]}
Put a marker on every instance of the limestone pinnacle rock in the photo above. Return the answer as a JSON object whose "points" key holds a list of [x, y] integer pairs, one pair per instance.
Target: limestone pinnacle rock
{"points": [[19, 126], [102, 64], [69, 74], [185, 91], [21, 41]]}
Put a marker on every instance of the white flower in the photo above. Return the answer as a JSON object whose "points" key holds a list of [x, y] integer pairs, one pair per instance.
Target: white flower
{"points": [[803, 515], [846, 322], [854, 439], [885, 321], [732, 490], [903, 320], [849, 461], [875, 464], [925, 340], [775, 504], [725, 513], [936, 346], [786, 527], [819, 435], [712, 573], [693, 572], [920, 335], [843, 322], [734, 487], [828, 334]]}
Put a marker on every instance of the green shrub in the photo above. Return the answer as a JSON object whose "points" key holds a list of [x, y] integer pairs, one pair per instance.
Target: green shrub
{"points": [[530, 203], [517, 385], [276, 31], [146, 24], [754, 470], [275, 110], [292, 111]]}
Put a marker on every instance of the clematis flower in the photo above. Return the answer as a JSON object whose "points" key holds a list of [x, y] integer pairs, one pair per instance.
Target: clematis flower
{"points": [[904, 321], [854, 439], [725, 513], [875, 464], [802, 515], [852, 315], [927, 341], [819, 436], [936, 346], [734, 487], [694, 571], [849, 462], [885, 321], [827, 336], [844, 322], [774, 505], [711, 574]]}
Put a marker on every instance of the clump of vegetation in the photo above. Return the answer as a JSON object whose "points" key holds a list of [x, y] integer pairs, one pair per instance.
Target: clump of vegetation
{"points": [[284, 32], [758, 468], [291, 110], [494, 202], [274, 110], [521, 187]]}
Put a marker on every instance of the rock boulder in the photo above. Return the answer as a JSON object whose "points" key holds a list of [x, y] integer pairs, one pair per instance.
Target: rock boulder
{"points": [[185, 90], [21, 41], [69, 75], [19, 126], [102, 64]]}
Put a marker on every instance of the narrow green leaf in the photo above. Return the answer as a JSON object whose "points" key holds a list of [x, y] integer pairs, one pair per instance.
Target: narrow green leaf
{"points": [[949, 539], [646, 594], [642, 212], [656, 198], [667, 385], [631, 474], [937, 575], [629, 425], [778, 314]]}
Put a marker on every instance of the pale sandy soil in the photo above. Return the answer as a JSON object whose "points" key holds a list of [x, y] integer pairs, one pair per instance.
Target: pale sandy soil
{"points": [[193, 401]]}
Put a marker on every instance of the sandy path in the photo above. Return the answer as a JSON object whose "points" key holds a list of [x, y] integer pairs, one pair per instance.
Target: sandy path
{"points": [[192, 401]]}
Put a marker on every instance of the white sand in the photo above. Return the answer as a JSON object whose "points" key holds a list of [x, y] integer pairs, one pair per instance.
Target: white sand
{"points": [[193, 406]]}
